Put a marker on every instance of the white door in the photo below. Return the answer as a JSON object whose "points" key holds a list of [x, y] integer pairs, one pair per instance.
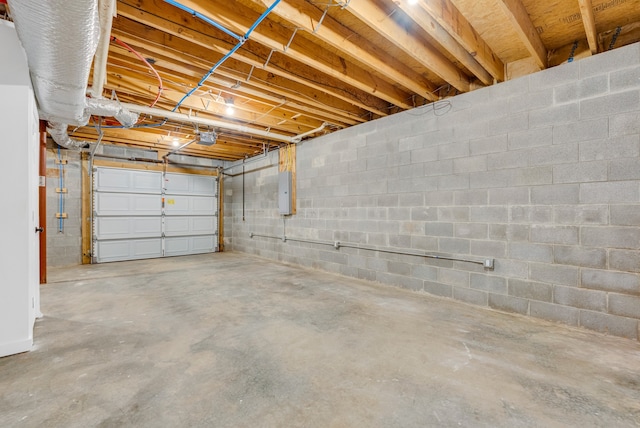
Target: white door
{"points": [[145, 214]]}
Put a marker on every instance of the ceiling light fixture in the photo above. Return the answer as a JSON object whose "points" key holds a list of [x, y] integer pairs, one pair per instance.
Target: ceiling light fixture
{"points": [[176, 142], [230, 109]]}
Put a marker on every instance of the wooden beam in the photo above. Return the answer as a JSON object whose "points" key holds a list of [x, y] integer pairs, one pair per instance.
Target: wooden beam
{"points": [[287, 162], [85, 210], [146, 166], [248, 113], [275, 38], [620, 36], [220, 212], [196, 41], [307, 17], [183, 75], [453, 22], [521, 21], [228, 147], [589, 21], [378, 19], [608, 40], [432, 27]]}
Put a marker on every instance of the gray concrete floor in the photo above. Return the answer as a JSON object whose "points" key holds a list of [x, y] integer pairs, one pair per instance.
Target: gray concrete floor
{"points": [[229, 340]]}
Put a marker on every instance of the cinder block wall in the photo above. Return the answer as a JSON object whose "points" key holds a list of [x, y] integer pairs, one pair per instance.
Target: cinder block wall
{"points": [[541, 173], [64, 244]]}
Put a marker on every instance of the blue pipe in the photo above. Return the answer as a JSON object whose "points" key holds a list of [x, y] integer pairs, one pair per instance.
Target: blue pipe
{"points": [[204, 18], [209, 73], [60, 199], [241, 41]]}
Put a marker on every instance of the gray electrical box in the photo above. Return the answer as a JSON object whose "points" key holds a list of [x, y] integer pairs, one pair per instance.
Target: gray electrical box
{"points": [[284, 192]]}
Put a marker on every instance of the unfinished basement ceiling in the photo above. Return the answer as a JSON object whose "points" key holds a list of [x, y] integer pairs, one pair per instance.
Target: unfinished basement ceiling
{"points": [[327, 62]]}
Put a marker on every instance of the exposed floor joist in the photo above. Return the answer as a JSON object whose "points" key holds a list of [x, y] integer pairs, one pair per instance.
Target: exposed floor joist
{"points": [[586, 8], [518, 15], [339, 62]]}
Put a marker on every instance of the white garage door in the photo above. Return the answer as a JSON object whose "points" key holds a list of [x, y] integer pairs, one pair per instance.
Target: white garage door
{"points": [[148, 214]]}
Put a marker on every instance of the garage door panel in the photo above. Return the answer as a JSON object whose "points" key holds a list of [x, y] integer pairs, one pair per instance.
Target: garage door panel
{"points": [[128, 181], [128, 227], [185, 245], [129, 249], [190, 205], [184, 184], [131, 222], [181, 226], [127, 204]]}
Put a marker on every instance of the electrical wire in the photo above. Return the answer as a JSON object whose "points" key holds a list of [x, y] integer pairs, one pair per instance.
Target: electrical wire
{"points": [[160, 86], [143, 59]]}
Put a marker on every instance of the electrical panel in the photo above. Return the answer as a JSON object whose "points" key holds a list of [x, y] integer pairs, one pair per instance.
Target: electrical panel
{"points": [[284, 193]]}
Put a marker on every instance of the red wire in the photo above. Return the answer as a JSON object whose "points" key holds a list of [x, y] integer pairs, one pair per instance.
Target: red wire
{"points": [[143, 59]]}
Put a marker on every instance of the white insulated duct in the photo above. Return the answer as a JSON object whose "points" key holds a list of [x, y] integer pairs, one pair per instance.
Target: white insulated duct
{"points": [[59, 134], [102, 107], [60, 38]]}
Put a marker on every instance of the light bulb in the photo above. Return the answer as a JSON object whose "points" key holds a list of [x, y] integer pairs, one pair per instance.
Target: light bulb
{"points": [[230, 110], [176, 142]]}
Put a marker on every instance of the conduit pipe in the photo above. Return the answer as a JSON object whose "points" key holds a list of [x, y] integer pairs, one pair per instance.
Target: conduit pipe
{"points": [[178, 149], [106, 11], [182, 117], [299, 137], [488, 264]]}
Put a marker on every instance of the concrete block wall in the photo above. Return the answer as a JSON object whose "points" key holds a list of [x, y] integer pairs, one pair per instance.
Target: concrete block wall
{"points": [[541, 173], [64, 245]]}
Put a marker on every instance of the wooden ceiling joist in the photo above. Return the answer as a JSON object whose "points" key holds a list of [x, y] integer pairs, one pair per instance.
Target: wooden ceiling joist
{"points": [[452, 21], [521, 21], [378, 19], [153, 26], [312, 20], [432, 27], [336, 62], [589, 21], [229, 81], [280, 41]]}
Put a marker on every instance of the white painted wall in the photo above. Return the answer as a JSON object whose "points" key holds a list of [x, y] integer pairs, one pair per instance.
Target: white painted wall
{"points": [[19, 256]]}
